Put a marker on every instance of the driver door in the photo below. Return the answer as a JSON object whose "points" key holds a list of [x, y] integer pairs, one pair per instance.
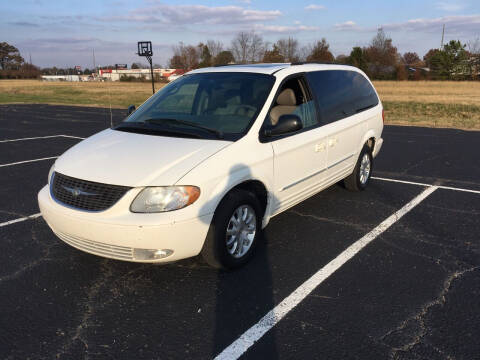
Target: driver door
{"points": [[299, 158]]}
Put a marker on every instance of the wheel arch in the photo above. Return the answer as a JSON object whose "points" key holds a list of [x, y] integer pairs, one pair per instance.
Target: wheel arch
{"points": [[368, 139], [255, 186]]}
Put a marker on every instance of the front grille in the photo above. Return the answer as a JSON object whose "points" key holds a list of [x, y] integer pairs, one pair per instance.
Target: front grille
{"points": [[85, 195], [96, 248]]}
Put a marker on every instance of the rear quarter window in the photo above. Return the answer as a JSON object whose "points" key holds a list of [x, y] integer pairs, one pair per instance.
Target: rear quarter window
{"points": [[341, 93]]}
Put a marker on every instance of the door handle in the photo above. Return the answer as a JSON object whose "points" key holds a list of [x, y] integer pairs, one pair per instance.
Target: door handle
{"points": [[320, 147], [332, 142]]}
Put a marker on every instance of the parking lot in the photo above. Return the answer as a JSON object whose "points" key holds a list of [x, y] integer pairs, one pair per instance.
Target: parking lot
{"points": [[391, 272]]}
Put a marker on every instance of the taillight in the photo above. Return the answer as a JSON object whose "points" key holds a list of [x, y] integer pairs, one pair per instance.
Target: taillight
{"points": [[383, 116]]}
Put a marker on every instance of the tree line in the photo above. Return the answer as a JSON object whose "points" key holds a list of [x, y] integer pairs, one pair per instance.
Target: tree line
{"points": [[380, 59]]}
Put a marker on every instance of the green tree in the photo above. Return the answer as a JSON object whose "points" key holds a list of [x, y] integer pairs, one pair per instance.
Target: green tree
{"points": [[320, 52], [358, 58], [205, 56], [135, 66], [451, 61], [10, 58], [224, 58], [273, 56]]}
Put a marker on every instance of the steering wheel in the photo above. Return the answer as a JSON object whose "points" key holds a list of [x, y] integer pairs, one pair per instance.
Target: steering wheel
{"points": [[244, 109]]}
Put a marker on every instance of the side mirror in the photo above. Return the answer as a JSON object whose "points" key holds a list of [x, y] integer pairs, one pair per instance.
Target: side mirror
{"points": [[287, 123], [131, 109]]}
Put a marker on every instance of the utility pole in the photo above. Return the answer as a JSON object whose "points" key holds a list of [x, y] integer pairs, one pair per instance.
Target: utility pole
{"points": [[94, 70], [443, 34], [30, 54]]}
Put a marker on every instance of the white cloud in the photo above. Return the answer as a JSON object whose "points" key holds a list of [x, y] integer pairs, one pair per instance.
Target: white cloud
{"points": [[450, 6], [454, 24], [196, 14], [347, 25], [314, 7], [283, 29]]}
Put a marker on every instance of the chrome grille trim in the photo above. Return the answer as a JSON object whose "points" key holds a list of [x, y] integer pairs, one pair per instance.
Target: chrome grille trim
{"points": [[85, 195], [97, 248]]}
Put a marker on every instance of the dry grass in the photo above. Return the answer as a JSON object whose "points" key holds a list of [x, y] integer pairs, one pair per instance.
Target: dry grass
{"points": [[438, 92], [102, 94], [422, 103], [431, 103]]}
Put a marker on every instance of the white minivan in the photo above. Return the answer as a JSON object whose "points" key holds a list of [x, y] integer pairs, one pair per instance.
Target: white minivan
{"points": [[204, 164]]}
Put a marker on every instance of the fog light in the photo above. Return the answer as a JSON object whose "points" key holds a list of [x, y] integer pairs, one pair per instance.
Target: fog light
{"points": [[151, 254]]}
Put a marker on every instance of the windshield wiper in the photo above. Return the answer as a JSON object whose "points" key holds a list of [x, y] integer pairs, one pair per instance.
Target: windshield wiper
{"points": [[218, 133]]}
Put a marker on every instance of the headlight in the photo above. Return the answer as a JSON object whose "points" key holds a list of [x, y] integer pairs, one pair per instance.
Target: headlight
{"points": [[50, 173], [164, 198]]}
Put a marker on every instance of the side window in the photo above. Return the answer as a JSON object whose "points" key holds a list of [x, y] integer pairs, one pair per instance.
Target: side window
{"points": [[341, 93], [293, 98]]}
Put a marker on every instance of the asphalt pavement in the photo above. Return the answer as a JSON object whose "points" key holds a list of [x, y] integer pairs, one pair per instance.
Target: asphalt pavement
{"points": [[412, 293]]}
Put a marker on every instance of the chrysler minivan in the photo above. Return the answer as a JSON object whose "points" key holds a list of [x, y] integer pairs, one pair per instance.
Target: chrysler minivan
{"points": [[204, 164]]}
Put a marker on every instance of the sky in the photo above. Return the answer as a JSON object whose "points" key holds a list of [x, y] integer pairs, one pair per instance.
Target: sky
{"points": [[64, 33]]}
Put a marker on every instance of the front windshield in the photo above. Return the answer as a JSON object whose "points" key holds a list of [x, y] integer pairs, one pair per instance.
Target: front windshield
{"points": [[225, 102]]}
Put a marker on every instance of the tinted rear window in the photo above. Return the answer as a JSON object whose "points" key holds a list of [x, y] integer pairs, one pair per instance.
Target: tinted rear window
{"points": [[341, 93]]}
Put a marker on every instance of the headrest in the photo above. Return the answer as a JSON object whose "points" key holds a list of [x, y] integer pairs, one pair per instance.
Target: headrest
{"points": [[287, 97]]}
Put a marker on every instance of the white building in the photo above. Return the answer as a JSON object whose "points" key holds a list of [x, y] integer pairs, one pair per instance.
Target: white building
{"points": [[114, 75]]}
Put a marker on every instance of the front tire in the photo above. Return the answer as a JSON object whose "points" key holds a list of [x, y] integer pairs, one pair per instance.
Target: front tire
{"points": [[358, 180], [233, 233]]}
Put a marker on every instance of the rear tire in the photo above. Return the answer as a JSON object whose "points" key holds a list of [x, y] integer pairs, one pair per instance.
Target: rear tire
{"points": [[236, 225], [358, 180]]}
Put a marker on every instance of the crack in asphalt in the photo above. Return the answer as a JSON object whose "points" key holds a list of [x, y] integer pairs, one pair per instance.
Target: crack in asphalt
{"points": [[90, 308], [418, 319], [12, 213], [420, 162], [45, 257], [333, 221]]}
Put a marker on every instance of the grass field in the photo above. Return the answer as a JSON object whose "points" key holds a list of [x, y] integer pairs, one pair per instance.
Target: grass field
{"points": [[422, 103]]}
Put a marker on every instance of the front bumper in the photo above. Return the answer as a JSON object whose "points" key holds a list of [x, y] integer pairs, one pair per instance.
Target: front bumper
{"points": [[124, 239]]}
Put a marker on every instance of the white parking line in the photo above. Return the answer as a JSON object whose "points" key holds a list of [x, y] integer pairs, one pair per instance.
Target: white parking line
{"points": [[73, 137], [426, 185], [41, 137], [28, 161], [248, 338], [34, 216]]}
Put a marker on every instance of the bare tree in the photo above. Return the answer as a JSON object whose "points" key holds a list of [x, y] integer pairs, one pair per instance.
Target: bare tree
{"points": [[185, 57], [474, 61], [247, 47], [382, 56], [289, 49], [257, 48], [240, 46], [215, 47], [411, 58]]}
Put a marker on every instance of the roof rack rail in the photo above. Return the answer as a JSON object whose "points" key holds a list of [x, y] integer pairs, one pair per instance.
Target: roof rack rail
{"points": [[312, 62]]}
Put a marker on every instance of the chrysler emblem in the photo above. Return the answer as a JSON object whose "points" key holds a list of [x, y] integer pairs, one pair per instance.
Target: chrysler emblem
{"points": [[77, 191]]}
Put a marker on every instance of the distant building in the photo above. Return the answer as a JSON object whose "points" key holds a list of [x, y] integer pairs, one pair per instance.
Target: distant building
{"points": [[115, 75], [61, 77]]}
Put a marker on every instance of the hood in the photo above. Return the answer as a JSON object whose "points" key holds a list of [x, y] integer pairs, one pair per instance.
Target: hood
{"points": [[129, 159]]}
